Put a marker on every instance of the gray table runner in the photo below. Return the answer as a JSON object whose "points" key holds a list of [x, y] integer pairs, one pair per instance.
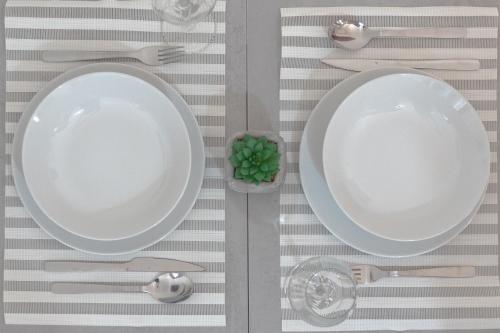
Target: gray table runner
{"points": [[34, 25], [392, 304]]}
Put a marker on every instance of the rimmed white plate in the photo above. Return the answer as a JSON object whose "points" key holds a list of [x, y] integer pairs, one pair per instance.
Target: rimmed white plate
{"points": [[156, 232], [317, 192], [406, 157]]}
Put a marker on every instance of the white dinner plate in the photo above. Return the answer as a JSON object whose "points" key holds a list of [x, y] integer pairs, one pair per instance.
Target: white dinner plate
{"points": [[317, 192], [155, 232], [406, 157]]}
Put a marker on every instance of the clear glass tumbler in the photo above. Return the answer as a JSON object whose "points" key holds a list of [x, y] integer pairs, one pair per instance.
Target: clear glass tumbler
{"points": [[322, 291], [183, 12]]}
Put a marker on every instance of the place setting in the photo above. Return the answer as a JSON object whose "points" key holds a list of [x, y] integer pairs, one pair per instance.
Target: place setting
{"points": [[389, 119], [115, 171]]}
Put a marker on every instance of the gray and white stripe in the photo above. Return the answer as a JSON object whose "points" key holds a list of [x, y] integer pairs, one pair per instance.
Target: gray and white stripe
{"points": [[392, 304], [34, 25]]}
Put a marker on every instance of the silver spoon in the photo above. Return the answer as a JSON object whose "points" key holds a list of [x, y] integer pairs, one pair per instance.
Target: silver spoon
{"points": [[353, 35], [166, 288]]}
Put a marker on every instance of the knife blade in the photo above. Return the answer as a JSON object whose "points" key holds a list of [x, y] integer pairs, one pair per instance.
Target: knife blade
{"points": [[359, 65], [135, 265]]}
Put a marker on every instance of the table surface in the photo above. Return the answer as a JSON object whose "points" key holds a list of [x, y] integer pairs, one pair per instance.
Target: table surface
{"points": [[252, 234]]}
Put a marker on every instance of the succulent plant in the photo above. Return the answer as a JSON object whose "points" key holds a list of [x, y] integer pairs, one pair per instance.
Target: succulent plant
{"points": [[255, 159]]}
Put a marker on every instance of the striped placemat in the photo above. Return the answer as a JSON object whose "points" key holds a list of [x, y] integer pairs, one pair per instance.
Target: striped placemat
{"points": [[34, 25], [393, 304]]}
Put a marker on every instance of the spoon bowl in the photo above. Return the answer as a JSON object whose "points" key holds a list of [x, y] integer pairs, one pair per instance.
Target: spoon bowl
{"points": [[350, 35], [170, 287]]}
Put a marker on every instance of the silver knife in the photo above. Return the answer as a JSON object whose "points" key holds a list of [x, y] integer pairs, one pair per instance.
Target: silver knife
{"points": [[359, 65], [134, 265]]}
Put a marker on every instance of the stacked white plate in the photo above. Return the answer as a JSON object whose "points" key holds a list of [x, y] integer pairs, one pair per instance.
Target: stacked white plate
{"points": [[108, 158], [394, 162]]}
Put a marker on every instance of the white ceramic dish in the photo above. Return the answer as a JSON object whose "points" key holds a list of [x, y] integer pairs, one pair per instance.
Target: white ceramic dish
{"points": [[406, 157], [149, 236], [317, 192], [106, 155]]}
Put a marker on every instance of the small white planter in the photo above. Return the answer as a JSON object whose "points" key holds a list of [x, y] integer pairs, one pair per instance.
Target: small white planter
{"points": [[264, 187]]}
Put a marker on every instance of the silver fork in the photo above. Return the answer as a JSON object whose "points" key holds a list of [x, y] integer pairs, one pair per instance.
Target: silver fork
{"points": [[151, 55], [369, 273]]}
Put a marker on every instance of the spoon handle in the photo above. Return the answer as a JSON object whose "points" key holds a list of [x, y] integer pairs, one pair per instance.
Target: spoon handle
{"points": [[425, 32], [91, 288]]}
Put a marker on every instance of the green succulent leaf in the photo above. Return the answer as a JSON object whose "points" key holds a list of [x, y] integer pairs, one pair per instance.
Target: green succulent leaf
{"points": [[237, 174], [250, 141], [258, 147], [268, 178], [238, 145], [266, 153], [245, 164], [240, 156], [234, 161], [245, 171], [253, 170], [247, 152], [259, 176], [264, 167]]}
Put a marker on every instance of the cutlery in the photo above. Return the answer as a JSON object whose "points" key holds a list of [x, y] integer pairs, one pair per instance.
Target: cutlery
{"points": [[366, 64], [134, 265], [369, 273], [166, 288], [151, 55], [354, 35]]}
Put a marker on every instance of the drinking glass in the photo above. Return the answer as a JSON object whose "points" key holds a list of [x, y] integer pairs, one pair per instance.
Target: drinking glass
{"points": [[184, 12], [322, 291]]}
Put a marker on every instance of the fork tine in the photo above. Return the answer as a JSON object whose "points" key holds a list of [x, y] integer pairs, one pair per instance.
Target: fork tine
{"points": [[360, 273], [171, 54], [172, 59], [166, 58], [170, 49], [167, 47]]}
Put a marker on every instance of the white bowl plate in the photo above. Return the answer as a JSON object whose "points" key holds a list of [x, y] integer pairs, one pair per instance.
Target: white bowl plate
{"points": [[406, 157], [322, 202], [106, 155], [133, 233]]}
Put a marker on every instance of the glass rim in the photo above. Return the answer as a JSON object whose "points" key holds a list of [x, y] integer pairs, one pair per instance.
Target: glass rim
{"points": [[313, 314]]}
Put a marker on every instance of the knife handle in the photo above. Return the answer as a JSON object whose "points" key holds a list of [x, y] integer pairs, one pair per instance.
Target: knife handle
{"points": [[425, 32], [447, 272], [91, 288], [445, 64], [82, 266]]}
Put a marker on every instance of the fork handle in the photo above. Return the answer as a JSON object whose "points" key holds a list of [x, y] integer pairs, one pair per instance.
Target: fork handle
{"points": [[449, 272], [75, 55]]}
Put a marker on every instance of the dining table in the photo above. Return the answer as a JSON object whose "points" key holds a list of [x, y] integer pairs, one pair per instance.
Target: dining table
{"points": [[252, 251]]}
